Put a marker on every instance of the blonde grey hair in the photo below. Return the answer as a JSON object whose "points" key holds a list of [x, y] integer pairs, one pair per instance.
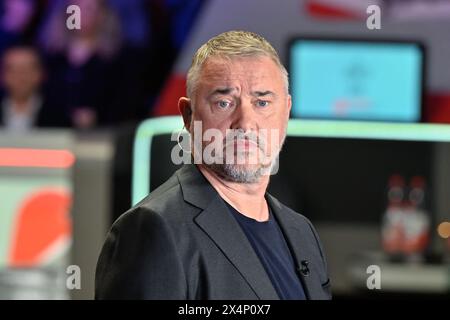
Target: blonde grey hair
{"points": [[228, 45]]}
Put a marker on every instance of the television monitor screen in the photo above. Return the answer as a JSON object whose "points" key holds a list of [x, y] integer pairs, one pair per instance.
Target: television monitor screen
{"points": [[356, 79]]}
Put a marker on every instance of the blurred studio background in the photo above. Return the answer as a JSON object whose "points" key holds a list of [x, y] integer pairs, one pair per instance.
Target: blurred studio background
{"points": [[86, 118]]}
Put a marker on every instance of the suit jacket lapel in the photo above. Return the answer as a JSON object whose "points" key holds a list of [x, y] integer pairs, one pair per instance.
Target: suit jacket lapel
{"points": [[299, 242], [224, 230]]}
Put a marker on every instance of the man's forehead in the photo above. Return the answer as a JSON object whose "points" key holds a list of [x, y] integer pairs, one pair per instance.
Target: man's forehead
{"points": [[234, 63], [220, 71], [20, 55]]}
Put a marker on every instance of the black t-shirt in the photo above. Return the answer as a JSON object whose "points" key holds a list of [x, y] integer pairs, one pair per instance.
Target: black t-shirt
{"points": [[270, 246]]}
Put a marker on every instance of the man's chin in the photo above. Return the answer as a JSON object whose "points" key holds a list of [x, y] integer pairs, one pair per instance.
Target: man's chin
{"points": [[240, 173]]}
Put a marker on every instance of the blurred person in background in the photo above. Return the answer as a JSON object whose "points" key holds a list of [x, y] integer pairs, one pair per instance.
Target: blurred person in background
{"points": [[154, 33], [19, 20], [83, 78], [111, 71], [23, 104]]}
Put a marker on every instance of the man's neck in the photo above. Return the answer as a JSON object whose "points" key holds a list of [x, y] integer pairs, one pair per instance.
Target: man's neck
{"points": [[247, 198], [21, 104]]}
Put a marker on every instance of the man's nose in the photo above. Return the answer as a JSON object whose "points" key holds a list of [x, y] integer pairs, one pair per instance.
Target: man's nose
{"points": [[244, 117]]}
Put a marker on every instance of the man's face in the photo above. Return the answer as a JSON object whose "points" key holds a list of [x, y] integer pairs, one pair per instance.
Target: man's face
{"points": [[17, 15], [21, 74], [245, 98], [92, 13]]}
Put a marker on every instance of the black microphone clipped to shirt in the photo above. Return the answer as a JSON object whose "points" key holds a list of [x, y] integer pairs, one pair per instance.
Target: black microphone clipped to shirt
{"points": [[303, 268]]}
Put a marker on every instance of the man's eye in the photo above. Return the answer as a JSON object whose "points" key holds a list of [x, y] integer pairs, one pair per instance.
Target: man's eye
{"points": [[224, 104], [262, 103]]}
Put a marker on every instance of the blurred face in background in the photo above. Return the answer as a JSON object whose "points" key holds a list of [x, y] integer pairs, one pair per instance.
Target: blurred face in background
{"points": [[246, 95], [91, 15], [21, 72], [17, 15]]}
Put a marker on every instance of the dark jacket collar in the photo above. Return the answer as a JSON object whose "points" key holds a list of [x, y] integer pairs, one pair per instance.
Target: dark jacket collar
{"points": [[216, 221], [224, 230]]}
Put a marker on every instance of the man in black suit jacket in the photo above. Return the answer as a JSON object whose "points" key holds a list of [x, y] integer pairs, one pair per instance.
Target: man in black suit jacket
{"points": [[212, 231], [22, 104]]}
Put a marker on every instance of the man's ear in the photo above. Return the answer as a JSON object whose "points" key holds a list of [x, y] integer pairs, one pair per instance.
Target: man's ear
{"points": [[289, 105], [185, 107]]}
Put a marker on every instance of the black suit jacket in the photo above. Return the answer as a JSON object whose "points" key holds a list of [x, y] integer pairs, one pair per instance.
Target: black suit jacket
{"points": [[48, 116], [181, 242]]}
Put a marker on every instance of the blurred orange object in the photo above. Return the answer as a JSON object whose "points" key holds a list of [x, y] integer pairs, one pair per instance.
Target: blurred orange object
{"points": [[42, 228]]}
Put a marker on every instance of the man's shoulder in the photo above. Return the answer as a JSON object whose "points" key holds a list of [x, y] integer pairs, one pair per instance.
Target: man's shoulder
{"points": [[167, 193], [164, 203]]}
